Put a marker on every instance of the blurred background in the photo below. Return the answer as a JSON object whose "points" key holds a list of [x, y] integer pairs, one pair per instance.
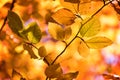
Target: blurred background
{"points": [[98, 62]]}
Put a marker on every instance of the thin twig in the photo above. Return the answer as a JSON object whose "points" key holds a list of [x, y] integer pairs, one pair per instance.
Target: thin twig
{"points": [[12, 6], [79, 32]]}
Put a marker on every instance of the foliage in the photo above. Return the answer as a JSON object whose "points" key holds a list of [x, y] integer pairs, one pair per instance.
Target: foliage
{"points": [[75, 24]]}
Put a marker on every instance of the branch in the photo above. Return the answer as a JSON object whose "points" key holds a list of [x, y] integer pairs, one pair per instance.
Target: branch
{"points": [[79, 32], [12, 6]]}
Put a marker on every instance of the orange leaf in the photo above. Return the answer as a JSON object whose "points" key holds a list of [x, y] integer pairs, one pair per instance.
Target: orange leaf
{"points": [[64, 16]]}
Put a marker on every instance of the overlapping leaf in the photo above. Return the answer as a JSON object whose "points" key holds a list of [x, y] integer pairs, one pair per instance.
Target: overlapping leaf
{"points": [[98, 42], [64, 16], [68, 32], [90, 28], [15, 23], [56, 31]]}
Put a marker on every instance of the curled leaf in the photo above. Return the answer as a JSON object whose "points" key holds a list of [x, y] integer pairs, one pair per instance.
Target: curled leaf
{"points": [[64, 16], [56, 31], [14, 22], [98, 42], [53, 71], [90, 28], [42, 51]]}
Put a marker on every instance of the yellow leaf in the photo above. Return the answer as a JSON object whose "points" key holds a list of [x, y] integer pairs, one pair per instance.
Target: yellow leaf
{"points": [[56, 31], [42, 51], [98, 42], [91, 28], [64, 16], [83, 49]]}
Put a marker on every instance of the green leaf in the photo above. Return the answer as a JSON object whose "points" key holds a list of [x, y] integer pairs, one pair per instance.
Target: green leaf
{"points": [[42, 51], [68, 76], [53, 71], [91, 28], [30, 51], [68, 32], [98, 42], [56, 31], [14, 22], [32, 32], [83, 49]]}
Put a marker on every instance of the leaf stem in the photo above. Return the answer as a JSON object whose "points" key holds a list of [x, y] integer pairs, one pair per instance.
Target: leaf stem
{"points": [[5, 20], [37, 49], [79, 32]]}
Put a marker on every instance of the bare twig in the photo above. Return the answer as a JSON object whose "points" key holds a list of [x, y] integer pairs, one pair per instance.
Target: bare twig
{"points": [[12, 6]]}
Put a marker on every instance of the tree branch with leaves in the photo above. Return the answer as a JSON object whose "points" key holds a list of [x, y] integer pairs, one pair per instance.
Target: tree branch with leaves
{"points": [[63, 29]]}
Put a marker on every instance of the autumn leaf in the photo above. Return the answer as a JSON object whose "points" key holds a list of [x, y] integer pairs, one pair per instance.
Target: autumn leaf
{"points": [[83, 49], [64, 16], [85, 7], [68, 76], [69, 5], [14, 22], [111, 77], [32, 32], [56, 31], [90, 28], [42, 51], [68, 32], [53, 71], [98, 42], [30, 51]]}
